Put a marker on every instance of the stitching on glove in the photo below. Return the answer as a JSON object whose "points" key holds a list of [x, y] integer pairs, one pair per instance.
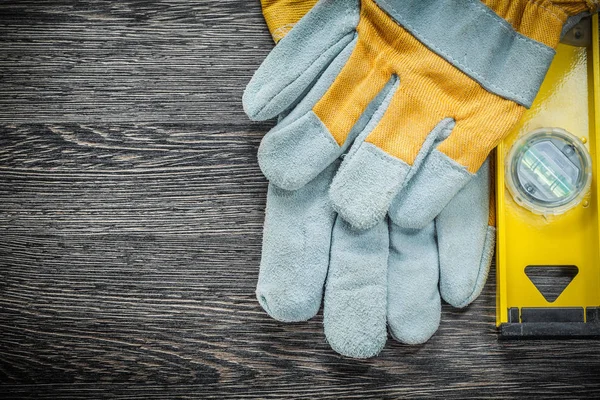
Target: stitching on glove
{"points": [[541, 5], [377, 152], [282, 31], [325, 132]]}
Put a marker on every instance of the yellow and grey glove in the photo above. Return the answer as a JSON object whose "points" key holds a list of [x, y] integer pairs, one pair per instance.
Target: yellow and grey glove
{"points": [[385, 276]]}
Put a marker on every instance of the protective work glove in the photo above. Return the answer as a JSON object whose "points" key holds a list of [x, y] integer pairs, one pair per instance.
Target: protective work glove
{"points": [[454, 75], [373, 278]]}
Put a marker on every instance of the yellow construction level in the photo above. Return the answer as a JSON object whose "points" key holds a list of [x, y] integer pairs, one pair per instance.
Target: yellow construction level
{"points": [[548, 259]]}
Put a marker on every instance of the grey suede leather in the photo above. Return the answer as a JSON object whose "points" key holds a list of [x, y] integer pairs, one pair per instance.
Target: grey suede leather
{"points": [[367, 171], [355, 312], [296, 250], [288, 159], [413, 296], [438, 174], [291, 161], [459, 224]]}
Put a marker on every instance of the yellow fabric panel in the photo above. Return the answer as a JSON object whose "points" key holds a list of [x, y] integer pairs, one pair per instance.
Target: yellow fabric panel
{"points": [[282, 15], [361, 79], [431, 89], [541, 20]]}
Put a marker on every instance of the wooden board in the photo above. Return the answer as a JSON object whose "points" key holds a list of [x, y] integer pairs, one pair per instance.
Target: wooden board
{"points": [[131, 210]]}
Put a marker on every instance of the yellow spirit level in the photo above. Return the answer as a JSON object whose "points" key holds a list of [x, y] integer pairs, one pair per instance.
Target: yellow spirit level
{"points": [[548, 257]]}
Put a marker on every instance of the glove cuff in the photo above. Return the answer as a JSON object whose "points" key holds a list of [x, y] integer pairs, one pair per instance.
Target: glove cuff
{"points": [[479, 42]]}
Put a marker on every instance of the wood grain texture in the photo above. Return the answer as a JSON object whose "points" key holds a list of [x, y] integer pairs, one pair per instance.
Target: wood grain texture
{"points": [[131, 209]]}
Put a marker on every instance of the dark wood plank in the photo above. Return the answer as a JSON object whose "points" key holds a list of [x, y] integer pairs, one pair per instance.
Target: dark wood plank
{"points": [[175, 179], [151, 61], [131, 209]]}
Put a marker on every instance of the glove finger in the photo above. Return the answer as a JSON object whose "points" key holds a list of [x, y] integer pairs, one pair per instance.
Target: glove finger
{"points": [[428, 191], [457, 158], [298, 60], [466, 241], [414, 305], [354, 314], [369, 180], [295, 253], [454, 162]]}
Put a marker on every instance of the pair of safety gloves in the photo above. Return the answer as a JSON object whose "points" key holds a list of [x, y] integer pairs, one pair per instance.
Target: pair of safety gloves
{"points": [[380, 202]]}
